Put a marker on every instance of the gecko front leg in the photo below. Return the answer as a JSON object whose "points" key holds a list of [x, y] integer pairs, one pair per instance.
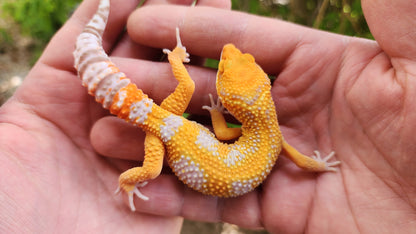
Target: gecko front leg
{"points": [[221, 130], [314, 163]]}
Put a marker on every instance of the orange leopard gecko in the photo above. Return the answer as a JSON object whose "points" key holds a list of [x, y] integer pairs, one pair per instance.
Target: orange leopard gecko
{"points": [[196, 156]]}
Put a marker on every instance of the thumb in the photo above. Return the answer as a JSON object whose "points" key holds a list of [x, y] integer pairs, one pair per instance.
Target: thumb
{"points": [[393, 25]]}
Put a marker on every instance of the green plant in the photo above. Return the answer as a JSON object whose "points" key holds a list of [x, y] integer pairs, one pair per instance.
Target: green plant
{"points": [[5, 39], [39, 19], [338, 16]]}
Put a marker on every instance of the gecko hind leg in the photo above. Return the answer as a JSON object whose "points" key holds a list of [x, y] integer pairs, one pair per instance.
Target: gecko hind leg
{"points": [[137, 177]]}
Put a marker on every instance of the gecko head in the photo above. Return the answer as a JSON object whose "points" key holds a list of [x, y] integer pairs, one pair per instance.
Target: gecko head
{"points": [[240, 81]]}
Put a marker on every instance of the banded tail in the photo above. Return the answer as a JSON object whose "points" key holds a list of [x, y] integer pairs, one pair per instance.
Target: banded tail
{"points": [[103, 79]]}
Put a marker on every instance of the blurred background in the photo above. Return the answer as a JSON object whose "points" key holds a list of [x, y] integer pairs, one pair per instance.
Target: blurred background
{"points": [[26, 26]]}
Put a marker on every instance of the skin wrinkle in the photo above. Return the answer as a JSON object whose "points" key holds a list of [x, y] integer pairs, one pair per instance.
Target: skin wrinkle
{"points": [[288, 61], [316, 201], [322, 136], [220, 209], [379, 151], [301, 94], [349, 86], [310, 208], [349, 201], [397, 188], [29, 109], [57, 126], [26, 171], [290, 65], [113, 47], [259, 205], [350, 80], [374, 175], [405, 67], [252, 216], [266, 57], [381, 201], [345, 198]]}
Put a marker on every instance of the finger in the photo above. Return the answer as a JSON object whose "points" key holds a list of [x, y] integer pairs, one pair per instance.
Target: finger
{"points": [[204, 31], [393, 25], [170, 197], [58, 53], [127, 48], [111, 136]]}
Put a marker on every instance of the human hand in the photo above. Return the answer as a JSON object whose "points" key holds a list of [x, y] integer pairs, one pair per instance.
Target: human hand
{"points": [[52, 179], [332, 92]]}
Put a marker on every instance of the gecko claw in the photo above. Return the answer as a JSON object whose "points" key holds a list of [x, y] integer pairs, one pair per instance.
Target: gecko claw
{"points": [[133, 192], [215, 106], [179, 50], [136, 192]]}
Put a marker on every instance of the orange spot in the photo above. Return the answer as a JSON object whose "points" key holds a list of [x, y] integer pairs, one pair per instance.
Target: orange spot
{"points": [[133, 94]]}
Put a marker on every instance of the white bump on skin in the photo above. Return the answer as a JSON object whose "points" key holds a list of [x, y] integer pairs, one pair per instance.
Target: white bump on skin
{"points": [[242, 187], [97, 22], [206, 140], [189, 172], [170, 127], [233, 157], [121, 97], [91, 76], [109, 87], [85, 42], [140, 110], [88, 53]]}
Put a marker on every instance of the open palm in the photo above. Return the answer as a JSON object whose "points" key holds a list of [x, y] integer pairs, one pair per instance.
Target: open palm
{"points": [[338, 93]]}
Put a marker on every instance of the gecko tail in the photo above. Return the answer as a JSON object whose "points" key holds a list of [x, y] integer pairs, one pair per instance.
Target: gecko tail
{"points": [[90, 40], [102, 78]]}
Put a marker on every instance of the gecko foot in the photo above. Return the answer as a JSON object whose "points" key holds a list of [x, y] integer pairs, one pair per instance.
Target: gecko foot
{"points": [[215, 106], [133, 192], [329, 166], [179, 51]]}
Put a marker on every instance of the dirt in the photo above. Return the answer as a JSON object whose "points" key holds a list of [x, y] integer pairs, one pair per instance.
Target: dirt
{"points": [[15, 55]]}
